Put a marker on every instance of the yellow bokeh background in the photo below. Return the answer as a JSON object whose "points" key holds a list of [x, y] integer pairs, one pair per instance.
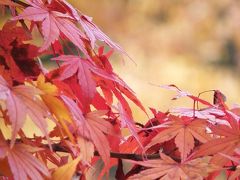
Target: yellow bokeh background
{"points": [[192, 44]]}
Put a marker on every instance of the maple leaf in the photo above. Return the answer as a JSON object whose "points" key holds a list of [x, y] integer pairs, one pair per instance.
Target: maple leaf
{"points": [[23, 56], [93, 33], [9, 64], [86, 149], [11, 33], [22, 163], [53, 22], [16, 57], [168, 169], [181, 93], [83, 148], [117, 86], [98, 127], [235, 174], [183, 130], [85, 70], [22, 101], [226, 143], [127, 121], [211, 114], [54, 103], [91, 30], [5, 74], [66, 171], [92, 127]]}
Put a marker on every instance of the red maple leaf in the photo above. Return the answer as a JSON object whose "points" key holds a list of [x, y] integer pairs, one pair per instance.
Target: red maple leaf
{"points": [[15, 56], [54, 21], [10, 33], [117, 86]]}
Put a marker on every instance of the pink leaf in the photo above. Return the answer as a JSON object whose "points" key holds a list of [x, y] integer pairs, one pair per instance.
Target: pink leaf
{"points": [[93, 128], [22, 163], [181, 93], [22, 101], [127, 121], [84, 69], [91, 30], [53, 22], [93, 33]]}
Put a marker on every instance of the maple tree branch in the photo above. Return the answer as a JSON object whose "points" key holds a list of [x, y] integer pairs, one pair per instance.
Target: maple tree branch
{"points": [[57, 147], [129, 156], [231, 168]]}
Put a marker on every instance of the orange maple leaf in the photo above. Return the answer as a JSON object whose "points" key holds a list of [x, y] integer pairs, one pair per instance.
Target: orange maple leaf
{"points": [[226, 143], [66, 171], [168, 169], [184, 130]]}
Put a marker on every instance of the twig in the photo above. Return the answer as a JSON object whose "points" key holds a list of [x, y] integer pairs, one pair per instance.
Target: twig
{"points": [[129, 156], [58, 147], [136, 157]]}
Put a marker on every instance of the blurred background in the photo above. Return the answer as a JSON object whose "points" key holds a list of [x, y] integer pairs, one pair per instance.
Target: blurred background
{"points": [[194, 44]]}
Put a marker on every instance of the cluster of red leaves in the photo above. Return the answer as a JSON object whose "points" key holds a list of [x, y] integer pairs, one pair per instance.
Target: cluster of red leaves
{"points": [[88, 104]]}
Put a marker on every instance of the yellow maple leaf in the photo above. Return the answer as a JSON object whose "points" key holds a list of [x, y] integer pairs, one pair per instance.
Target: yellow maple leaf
{"points": [[46, 87], [66, 171], [55, 105]]}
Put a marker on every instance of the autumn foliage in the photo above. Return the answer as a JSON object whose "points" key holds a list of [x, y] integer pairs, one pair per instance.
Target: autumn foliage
{"points": [[82, 107]]}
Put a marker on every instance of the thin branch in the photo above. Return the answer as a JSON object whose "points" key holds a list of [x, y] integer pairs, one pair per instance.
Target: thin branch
{"points": [[58, 147], [129, 156], [231, 168]]}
